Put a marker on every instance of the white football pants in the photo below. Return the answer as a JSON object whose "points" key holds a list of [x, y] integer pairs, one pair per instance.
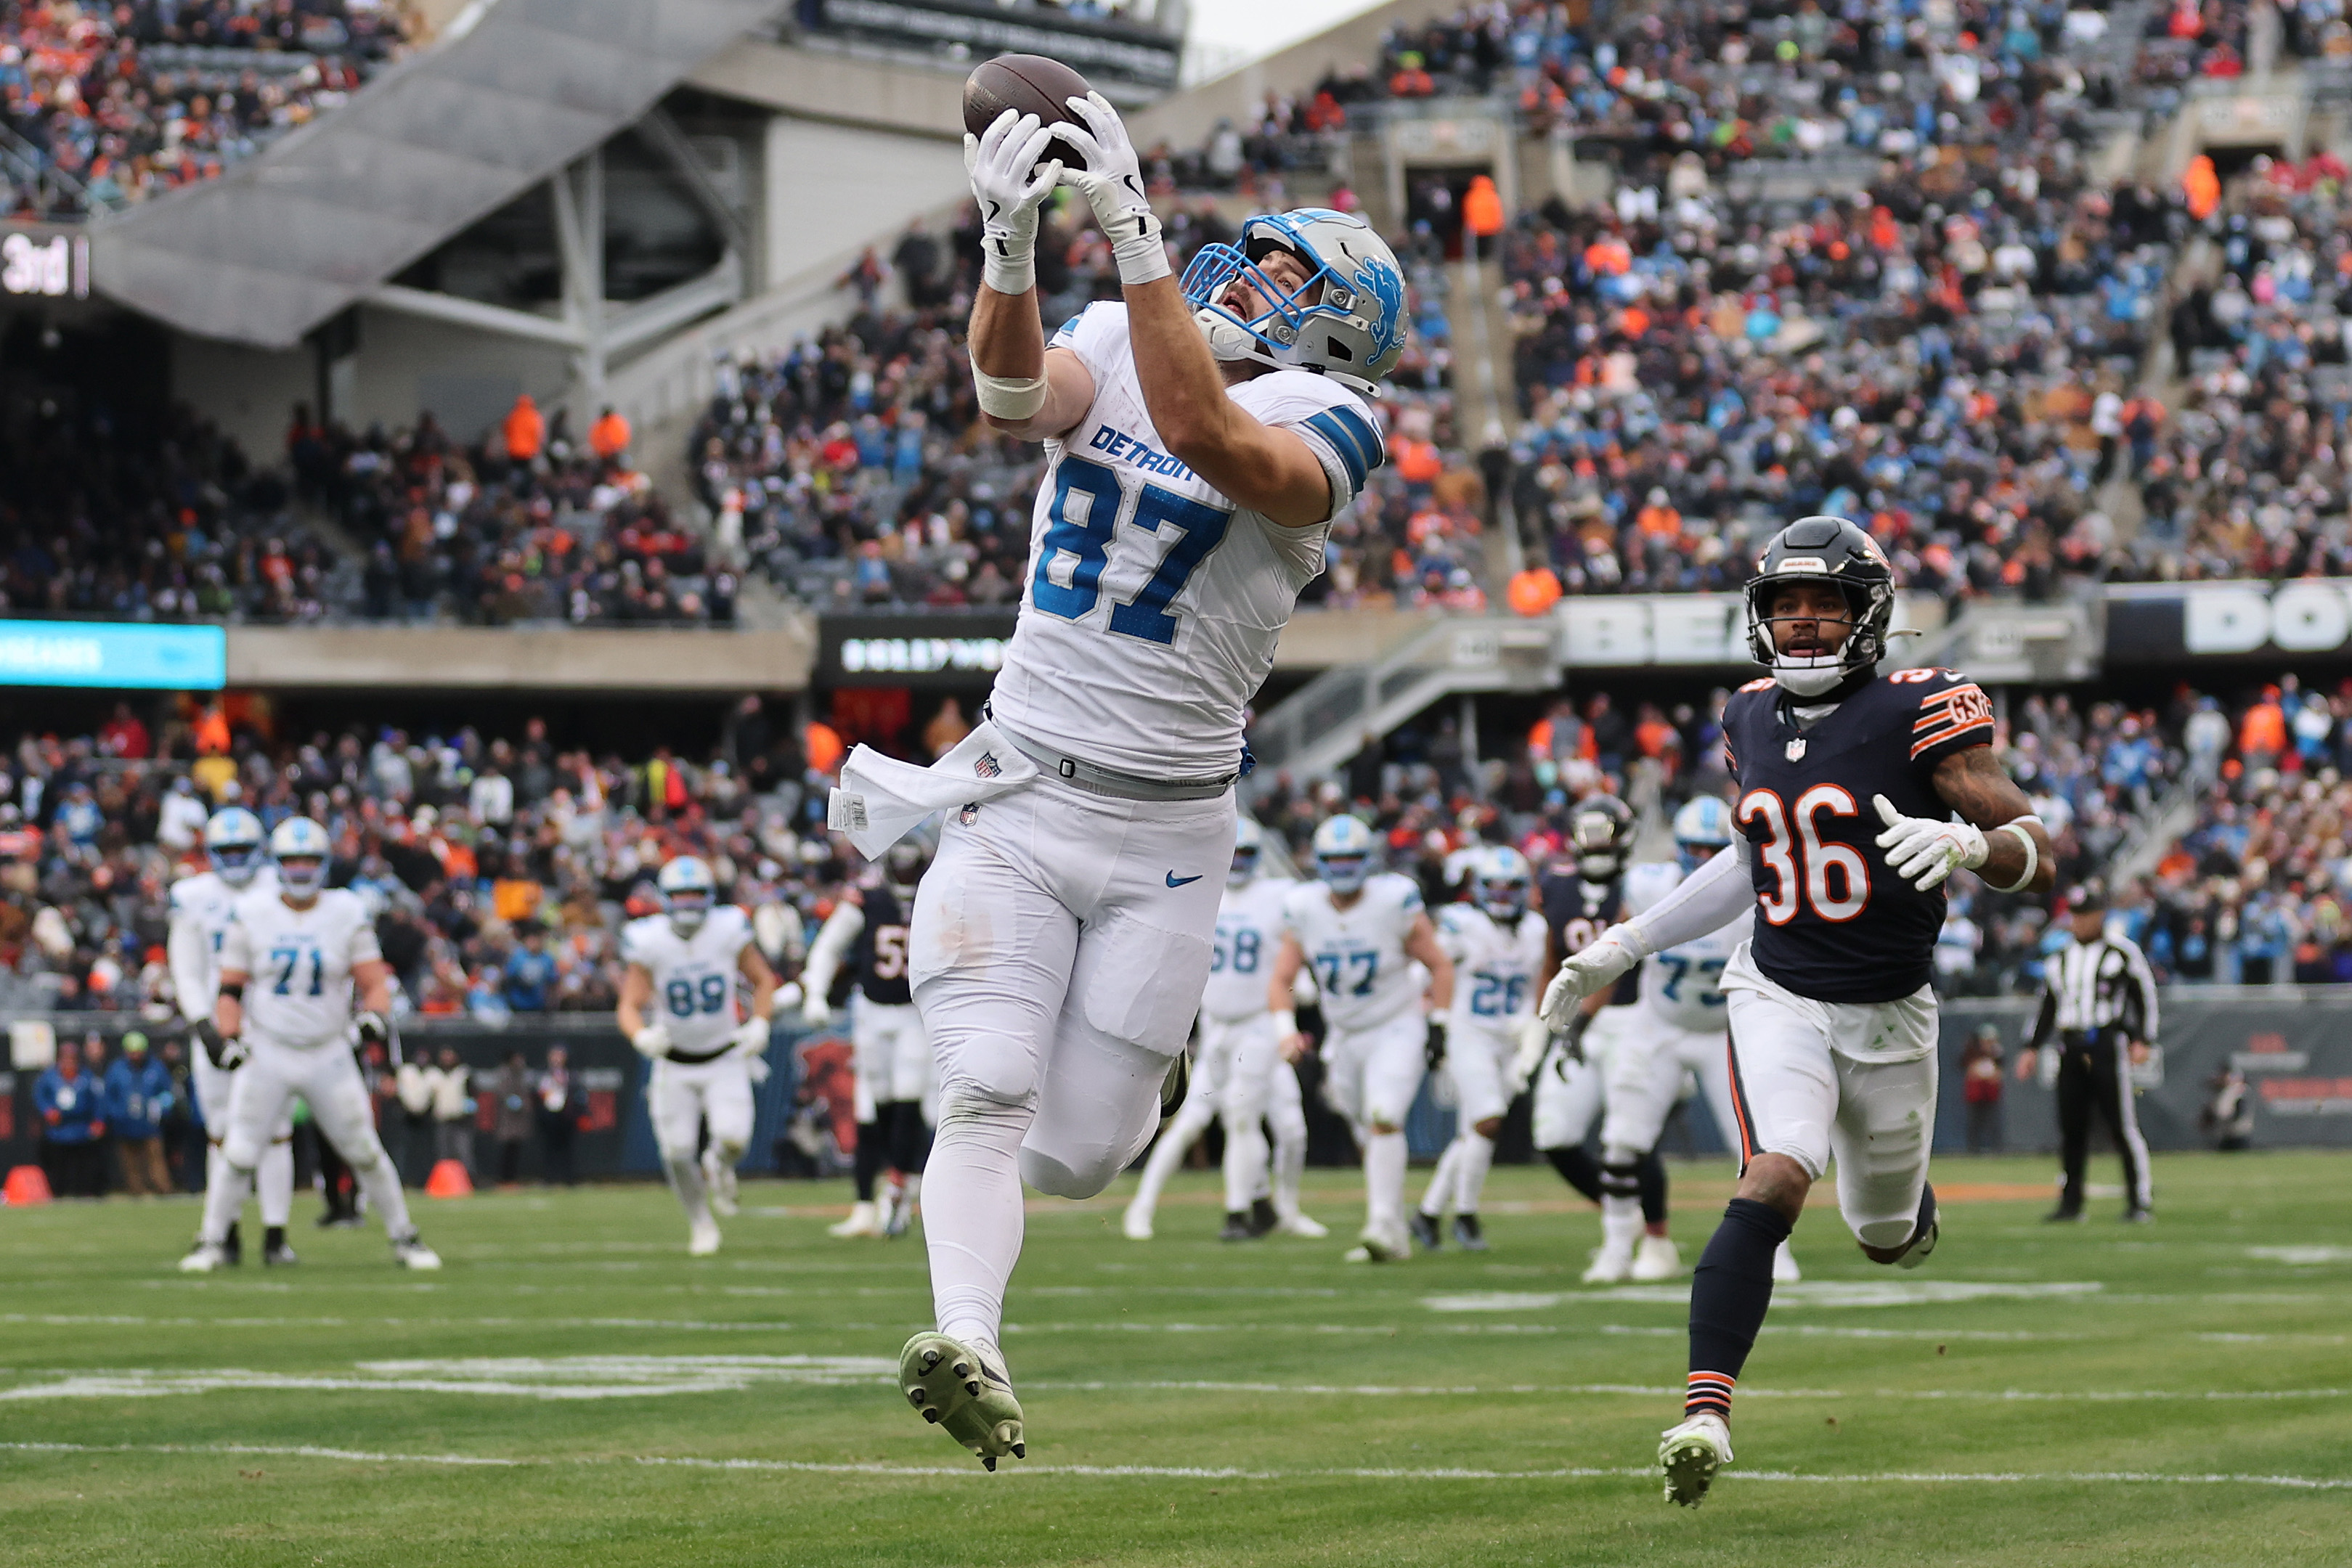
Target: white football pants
{"points": [[1850, 1081], [680, 1097], [1478, 1062], [1203, 1096], [1646, 1079], [1370, 1077], [1261, 1091], [1060, 945], [893, 1058], [328, 1079], [273, 1179], [1569, 1093]]}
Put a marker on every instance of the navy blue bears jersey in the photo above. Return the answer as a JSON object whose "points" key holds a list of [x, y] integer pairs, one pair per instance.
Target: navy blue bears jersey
{"points": [[1577, 911], [879, 959], [1832, 920]]}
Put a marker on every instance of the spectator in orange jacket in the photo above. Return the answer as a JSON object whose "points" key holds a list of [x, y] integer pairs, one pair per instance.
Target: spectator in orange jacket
{"points": [[609, 436], [524, 430]]}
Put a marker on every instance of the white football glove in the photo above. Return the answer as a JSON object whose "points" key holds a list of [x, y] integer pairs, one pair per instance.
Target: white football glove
{"points": [[1923, 853], [1000, 161], [1112, 183], [1595, 968], [1535, 1039], [816, 1012], [652, 1042], [755, 1068], [750, 1037]]}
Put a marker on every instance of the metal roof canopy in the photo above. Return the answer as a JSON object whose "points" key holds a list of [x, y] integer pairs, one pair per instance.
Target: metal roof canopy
{"points": [[516, 90]]}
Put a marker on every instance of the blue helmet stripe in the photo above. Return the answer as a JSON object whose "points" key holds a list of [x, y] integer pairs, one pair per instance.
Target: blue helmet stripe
{"points": [[1344, 442]]}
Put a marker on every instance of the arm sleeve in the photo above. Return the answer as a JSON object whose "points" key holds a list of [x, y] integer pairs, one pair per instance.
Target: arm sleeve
{"points": [[841, 928], [1710, 898], [185, 949], [2044, 1020]]}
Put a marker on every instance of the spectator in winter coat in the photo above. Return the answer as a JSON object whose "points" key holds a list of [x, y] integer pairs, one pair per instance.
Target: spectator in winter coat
{"points": [[139, 1096], [72, 1108]]}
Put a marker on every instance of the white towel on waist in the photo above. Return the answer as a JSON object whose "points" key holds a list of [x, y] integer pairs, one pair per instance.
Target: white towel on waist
{"points": [[880, 801]]}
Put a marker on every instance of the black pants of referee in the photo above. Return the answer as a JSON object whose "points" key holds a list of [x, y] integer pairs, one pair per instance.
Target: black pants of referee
{"points": [[2094, 1074]]}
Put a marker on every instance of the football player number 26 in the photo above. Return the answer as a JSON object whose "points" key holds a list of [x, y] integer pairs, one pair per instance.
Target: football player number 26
{"points": [[1832, 879], [1087, 502]]}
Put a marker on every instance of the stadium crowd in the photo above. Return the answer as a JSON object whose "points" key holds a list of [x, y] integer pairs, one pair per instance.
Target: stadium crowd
{"points": [[104, 106]]}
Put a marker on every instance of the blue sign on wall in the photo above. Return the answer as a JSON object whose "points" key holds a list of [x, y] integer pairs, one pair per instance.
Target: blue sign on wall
{"points": [[106, 653]]}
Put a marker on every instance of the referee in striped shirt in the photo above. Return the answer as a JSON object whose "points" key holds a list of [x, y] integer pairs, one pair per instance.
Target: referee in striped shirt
{"points": [[2100, 1001]]}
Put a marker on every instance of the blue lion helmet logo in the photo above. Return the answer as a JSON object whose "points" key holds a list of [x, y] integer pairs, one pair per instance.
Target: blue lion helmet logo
{"points": [[1378, 280]]}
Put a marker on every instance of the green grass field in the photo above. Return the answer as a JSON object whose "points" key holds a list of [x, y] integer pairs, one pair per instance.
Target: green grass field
{"points": [[575, 1390]]}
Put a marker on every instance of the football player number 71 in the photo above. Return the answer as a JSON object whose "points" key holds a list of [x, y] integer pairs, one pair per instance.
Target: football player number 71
{"points": [[1833, 878]]}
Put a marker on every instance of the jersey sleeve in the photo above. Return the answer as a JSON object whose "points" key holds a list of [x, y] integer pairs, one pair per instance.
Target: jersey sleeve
{"points": [[236, 946], [1290, 920], [1952, 714], [364, 948], [1336, 425], [1097, 335], [633, 943]]}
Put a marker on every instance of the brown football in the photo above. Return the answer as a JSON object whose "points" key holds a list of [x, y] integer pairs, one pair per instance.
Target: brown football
{"points": [[1033, 85]]}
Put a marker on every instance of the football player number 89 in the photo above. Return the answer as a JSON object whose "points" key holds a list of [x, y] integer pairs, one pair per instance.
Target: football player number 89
{"points": [[1833, 878]]}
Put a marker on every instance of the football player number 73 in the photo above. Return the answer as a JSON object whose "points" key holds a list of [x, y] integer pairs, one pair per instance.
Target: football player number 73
{"points": [[1832, 878], [1088, 501]]}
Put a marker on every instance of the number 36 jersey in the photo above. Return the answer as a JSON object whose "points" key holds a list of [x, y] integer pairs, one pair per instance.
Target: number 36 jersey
{"points": [[298, 964], [1153, 602], [1357, 954], [1834, 923], [1683, 986], [1249, 927], [693, 977]]}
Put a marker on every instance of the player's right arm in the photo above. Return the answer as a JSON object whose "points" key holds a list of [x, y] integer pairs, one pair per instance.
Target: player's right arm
{"points": [[188, 949], [834, 939], [1709, 899], [1289, 959], [638, 990], [1025, 390], [229, 1005]]}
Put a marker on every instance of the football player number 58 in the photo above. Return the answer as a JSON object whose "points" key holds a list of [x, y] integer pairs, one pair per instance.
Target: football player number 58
{"points": [[1832, 878]]}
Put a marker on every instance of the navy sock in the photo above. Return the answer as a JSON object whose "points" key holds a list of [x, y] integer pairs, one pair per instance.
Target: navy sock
{"points": [[1730, 1289], [866, 1162], [1653, 1189], [1576, 1168]]}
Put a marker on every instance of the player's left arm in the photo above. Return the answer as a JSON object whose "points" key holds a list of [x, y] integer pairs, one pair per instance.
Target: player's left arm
{"points": [[753, 965], [1421, 944], [2139, 1012], [371, 982], [2018, 857]]}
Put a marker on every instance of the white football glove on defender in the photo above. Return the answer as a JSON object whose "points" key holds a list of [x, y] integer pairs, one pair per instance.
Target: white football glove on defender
{"points": [[1923, 853], [1001, 163], [652, 1042], [1599, 965], [1535, 1039], [1113, 184], [816, 1012]]}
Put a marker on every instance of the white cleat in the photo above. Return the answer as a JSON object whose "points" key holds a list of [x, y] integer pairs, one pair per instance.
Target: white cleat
{"points": [[1609, 1266], [1690, 1454], [1784, 1266], [864, 1220], [1136, 1223], [899, 1211], [720, 1178], [410, 1252], [703, 1239], [204, 1258], [1299, 1225], [1659, 1258], [1377, 1247]]}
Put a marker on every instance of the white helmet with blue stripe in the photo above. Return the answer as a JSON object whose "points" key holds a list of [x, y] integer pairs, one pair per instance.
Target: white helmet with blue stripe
{"points": [[1702, 826], [301, 849], [688, 891], [1344, 851], [1351, 329], [1500, 879], [233, 843]]}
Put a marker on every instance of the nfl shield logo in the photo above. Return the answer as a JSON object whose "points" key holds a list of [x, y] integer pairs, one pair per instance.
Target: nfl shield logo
{"points": [[1797, 750], [988, 766], [970, 814]]}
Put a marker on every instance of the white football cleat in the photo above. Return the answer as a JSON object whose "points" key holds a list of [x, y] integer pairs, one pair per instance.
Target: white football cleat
{"points": [[720, 1178], [1378, 1247], [1609, 1266], [410, 1252], [1136, 1223], [703, 1239], [1659, 1258], [864, 1220], [1784, 1266], [1299, 1225], [204, 1258], [1690, 1454]]}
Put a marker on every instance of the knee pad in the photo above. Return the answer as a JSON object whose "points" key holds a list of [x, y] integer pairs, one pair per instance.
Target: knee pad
{"points": [[1001, 1068], [1056, 1180]]}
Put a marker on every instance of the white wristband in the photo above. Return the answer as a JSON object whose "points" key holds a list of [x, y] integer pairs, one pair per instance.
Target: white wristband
{"points": [[1008, 397], [1009, 273], [1285, 1024], [2032, 859]]}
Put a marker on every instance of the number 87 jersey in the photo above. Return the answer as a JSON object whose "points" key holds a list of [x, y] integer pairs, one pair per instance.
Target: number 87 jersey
{"points": [[1153, 603], [1834, 923], [693, 976]]}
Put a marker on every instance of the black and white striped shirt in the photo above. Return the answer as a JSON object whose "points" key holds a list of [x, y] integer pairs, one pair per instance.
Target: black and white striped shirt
{"points": [[2100, 985]]}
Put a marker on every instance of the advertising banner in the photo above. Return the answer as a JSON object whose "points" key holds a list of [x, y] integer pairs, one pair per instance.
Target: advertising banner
{"points": [[106, 653]]}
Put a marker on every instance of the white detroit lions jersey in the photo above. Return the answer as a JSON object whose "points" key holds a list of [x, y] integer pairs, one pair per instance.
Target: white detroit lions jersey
{"points": [[693, 977], [1358, 952], [1153, 603], [1495, 964], [298, 963], [1249, 927], [202, 907], [1684, 986]]}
